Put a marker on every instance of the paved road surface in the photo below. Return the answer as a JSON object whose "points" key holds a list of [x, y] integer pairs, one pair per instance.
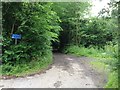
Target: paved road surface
{"points": [[67, 72]]}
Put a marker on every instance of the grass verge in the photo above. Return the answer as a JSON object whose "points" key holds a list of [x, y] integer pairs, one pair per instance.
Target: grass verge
{"points": [[27, 68], [106, 60]]}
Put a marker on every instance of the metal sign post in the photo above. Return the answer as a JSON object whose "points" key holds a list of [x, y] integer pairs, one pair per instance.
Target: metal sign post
{"points": [[16, 36], [15, 41]]}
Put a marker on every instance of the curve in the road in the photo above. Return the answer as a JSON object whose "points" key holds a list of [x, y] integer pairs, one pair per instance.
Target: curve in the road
{"points": [[67, 72]]}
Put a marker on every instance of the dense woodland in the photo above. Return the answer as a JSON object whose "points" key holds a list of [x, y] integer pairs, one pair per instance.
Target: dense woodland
{"points": [[65, 27]]}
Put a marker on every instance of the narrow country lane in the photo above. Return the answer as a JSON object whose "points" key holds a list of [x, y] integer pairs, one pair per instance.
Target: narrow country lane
{"points": [[67, 72]]}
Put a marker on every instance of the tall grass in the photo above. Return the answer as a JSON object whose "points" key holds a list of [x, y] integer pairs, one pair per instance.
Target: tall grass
{"points": [[106, 58]]}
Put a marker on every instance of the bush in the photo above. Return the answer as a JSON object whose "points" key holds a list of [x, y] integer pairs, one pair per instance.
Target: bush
{"points": [[27, 68]]}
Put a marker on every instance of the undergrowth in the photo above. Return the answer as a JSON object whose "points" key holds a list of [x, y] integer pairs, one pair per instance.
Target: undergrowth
{"points": [[105, 59], [32, 67]]}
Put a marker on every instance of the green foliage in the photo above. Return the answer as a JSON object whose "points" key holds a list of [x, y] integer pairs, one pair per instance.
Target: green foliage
{"points": [[72, 17], [113, 80], [37, 24], [79, 30], [37, 30], [106, 59], [45, 24], [97, 32], [77, 50], [27, 68]]}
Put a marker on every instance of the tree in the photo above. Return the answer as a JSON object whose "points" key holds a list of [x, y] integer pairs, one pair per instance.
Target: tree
{"points": [[72, 17], [37, 24]]}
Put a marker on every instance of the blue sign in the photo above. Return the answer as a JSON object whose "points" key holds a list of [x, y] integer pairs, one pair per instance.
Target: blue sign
{"points": [[16, 36]]}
